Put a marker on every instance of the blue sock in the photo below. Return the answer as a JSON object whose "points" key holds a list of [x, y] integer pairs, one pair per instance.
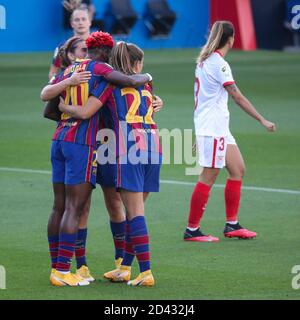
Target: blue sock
{"points": [[65, 251], [80, 248], [118, 233], [53, 249], [129, 252], [140, 241]]}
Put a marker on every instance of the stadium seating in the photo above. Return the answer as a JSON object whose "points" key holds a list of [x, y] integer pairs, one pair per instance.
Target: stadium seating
{"points": [[121, 17], [159, 18], [98, 22]]}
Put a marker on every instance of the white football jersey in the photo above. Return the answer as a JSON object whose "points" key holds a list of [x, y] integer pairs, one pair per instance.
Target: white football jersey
{"points": [[211, 115]]}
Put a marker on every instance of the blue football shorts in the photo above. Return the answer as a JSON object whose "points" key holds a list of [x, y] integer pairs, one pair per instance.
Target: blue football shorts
{"points": [[139, 177], [73, 163]]}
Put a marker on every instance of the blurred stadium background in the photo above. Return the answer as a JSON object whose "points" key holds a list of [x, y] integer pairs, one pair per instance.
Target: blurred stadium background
{"points": [[266, 66], [37, 25]]}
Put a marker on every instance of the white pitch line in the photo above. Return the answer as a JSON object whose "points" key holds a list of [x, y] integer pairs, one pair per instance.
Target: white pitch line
{"points": [[173, 182], [185, 183], [5, 169]]}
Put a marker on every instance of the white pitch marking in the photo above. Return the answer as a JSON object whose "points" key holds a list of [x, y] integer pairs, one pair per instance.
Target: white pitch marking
{"points": [[174, 182]]}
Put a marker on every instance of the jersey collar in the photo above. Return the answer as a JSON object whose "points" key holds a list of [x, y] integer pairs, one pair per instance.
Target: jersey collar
{"points": [[219, 52]]}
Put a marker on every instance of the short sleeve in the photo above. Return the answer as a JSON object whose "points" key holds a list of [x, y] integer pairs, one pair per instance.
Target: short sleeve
{"points": [[224, 74], [102, 91], [102, 69]]}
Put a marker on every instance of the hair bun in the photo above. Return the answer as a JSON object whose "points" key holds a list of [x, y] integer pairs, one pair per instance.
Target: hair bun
{"points": [[99, 39]]}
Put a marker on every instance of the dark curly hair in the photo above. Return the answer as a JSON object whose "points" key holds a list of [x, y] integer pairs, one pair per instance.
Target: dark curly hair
{"points": [[99, 45]]}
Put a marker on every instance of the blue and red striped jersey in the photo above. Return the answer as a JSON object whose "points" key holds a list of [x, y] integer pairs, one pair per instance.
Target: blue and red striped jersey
{"points": [[131, 111], [74, 130]]}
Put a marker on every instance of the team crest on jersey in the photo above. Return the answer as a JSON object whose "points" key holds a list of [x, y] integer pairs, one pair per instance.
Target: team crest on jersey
{"points": [[224, 69]]}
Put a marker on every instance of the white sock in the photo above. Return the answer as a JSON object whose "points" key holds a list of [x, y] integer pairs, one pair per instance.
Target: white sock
{"points": [[192, 229], [232, 222], [64, 272]]}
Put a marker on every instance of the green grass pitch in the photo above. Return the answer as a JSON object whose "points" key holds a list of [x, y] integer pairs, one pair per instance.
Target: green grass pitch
{"points": [[231, 269]]}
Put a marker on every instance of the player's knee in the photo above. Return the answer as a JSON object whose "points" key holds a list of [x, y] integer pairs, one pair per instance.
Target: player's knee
{"points": [[87, 207], [117, 216], [58, 209], [238, 174], [80, 210], [86, 211], [209, 177], [76, 208], [115, 209], [241, 172]]}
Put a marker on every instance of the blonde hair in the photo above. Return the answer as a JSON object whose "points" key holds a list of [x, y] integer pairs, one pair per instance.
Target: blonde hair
{"points": [[71, 5], [124, 56], [220, 32], [75, 5]]}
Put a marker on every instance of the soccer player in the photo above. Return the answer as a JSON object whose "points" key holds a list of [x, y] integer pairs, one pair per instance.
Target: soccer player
{"points": [[71, 50], [80, 22], [106, 178], [216, 145], [73, 155], [75, 48], [131, 111]]}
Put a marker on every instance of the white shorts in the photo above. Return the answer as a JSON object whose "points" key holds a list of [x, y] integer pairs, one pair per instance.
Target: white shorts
{"points": [[212, 150]]}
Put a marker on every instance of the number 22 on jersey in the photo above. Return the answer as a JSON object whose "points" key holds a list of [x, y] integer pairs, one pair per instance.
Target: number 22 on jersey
{"points": [[131, 116]]}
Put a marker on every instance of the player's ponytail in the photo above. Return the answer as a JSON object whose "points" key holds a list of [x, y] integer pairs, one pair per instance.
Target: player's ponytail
{"points": [[124, 56], [120, 59], [220, 33]]}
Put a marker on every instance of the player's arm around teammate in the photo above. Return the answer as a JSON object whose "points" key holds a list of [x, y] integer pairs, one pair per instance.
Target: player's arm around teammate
{"points": [[72, 50], [216, 145], [106, 175], [99, 45], [75, 48], [53, 90], [93, 105], [133, 200]]}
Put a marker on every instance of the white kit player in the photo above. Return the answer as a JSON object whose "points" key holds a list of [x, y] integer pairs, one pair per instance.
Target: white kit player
{"points": [[217, 147]]}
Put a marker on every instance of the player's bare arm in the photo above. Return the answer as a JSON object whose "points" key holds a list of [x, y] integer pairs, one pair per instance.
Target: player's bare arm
{"points": [[90, 108], [51, 111], [53, 90], [247, 106], [135, 80]]}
